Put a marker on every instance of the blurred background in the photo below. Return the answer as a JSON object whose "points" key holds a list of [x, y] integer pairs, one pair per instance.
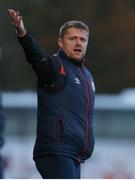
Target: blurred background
{"points": [[110, 56]]}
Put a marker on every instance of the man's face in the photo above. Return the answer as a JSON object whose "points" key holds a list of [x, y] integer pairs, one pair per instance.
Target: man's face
{"points": [[74, 43]]}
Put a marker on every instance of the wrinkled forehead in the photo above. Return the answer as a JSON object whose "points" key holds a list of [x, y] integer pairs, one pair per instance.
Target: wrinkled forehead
{"points": [[73, 31]]}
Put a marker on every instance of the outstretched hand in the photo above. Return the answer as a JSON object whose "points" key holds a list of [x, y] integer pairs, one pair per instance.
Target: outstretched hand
{"points": [[17, 22]]}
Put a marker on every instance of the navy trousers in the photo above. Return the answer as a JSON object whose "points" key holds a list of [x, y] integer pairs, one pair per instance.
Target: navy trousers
{"points": [[58, 167]]}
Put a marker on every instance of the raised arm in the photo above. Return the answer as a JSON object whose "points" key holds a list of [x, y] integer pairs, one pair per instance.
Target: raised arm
{"points": [[32, 51], [43, 65]]}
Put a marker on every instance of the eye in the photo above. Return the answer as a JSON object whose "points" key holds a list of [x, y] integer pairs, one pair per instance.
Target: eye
{"points": [[83, 39], [72, 38]]}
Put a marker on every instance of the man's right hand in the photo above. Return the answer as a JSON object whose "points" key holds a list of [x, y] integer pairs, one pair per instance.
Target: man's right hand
{"points": [[17, 22]]}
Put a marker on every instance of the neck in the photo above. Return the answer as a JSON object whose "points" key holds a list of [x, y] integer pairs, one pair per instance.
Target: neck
{"points": [[73, 61]]}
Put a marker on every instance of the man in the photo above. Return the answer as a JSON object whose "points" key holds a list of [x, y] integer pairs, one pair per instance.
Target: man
{"points": [[1, 137], [65, 100]]}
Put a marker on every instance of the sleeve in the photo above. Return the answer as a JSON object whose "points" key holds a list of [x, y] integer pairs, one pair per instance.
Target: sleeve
{"points": [[43, 65]]}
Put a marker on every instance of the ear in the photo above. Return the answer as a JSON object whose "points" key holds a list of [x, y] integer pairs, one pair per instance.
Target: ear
{"points": [[60, 42]]}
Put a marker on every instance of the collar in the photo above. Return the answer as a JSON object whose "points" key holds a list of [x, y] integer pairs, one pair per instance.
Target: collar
{"points": [[73, 61]]}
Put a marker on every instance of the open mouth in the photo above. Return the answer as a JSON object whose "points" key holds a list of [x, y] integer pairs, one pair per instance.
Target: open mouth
{"points": [[78, 50]]}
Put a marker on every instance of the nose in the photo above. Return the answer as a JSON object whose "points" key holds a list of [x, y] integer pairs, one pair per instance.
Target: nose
{"points": [[78, 41]]}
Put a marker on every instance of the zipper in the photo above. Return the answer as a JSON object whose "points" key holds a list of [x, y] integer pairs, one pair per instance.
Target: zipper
{"points": [[59, 129], [87, 111]]}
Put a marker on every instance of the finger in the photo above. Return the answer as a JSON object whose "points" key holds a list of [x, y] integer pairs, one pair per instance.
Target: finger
{"points": [[18, 13], [11, 11]]}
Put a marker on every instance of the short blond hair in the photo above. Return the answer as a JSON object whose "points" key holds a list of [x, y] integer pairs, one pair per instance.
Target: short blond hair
{"points": [[72, 24]]}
